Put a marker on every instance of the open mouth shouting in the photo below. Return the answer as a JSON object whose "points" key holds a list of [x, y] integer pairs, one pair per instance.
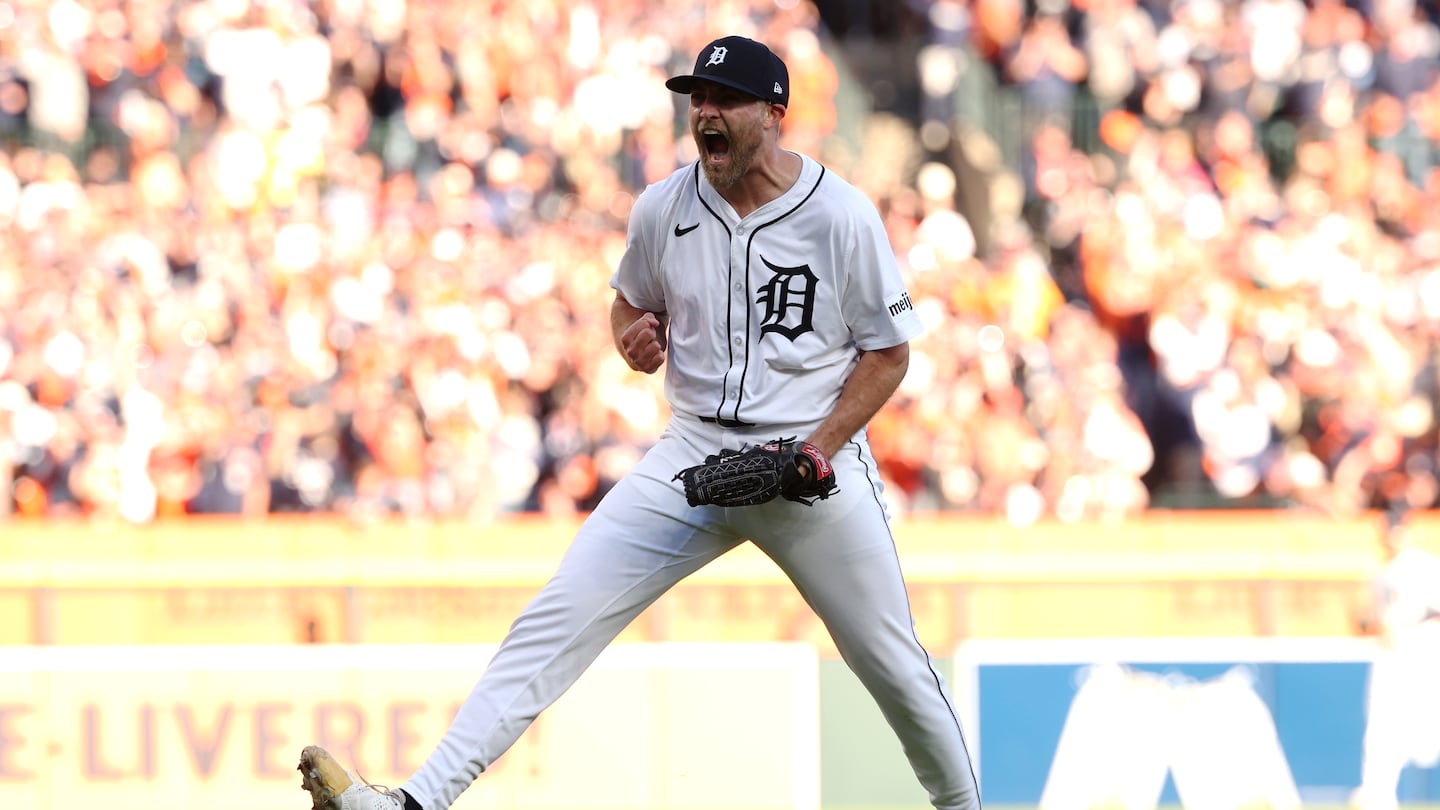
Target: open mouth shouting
{"points": [[725, 156], [715, 145]]}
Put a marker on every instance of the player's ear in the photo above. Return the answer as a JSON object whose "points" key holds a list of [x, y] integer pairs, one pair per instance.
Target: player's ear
{"points": [[776, 114]]}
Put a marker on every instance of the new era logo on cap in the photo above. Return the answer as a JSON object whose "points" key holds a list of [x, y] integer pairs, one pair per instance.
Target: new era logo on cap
{"points": [[741, 64]]}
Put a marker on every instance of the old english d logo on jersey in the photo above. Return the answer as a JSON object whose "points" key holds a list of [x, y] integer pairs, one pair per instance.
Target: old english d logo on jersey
{"points": [[788, 301]]}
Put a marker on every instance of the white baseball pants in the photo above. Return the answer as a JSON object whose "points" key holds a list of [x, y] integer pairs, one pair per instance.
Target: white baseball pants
{"points": [[644, 538]]}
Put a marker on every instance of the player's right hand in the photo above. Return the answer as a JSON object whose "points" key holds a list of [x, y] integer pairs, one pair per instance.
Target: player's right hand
{"points": [[643, 343]]}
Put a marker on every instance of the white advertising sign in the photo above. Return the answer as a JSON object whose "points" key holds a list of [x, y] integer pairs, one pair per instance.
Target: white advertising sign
{"points": [[675, 726]]}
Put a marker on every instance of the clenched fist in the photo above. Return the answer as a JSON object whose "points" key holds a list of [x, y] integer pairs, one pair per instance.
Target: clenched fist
{"points": [[643, 343]]}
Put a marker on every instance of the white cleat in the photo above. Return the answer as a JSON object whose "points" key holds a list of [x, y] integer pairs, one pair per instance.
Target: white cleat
{"points": [[331, 787]]}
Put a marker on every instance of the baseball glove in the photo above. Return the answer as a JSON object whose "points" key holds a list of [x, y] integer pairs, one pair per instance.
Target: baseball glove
{"points": [[755, 474]]}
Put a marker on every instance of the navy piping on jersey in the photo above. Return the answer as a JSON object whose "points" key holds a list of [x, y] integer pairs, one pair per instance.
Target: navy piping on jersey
{"points": [[735, 420], [717, 419]]}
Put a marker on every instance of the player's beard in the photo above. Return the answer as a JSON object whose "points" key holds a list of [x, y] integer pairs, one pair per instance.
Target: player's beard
{"points": [[744, 146]]}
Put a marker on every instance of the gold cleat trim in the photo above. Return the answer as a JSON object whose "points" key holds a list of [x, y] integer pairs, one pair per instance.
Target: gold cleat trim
{"points": [[323, 777]]}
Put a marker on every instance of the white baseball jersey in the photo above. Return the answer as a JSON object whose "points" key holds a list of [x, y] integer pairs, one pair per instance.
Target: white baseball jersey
{"points": [[766, 311]]}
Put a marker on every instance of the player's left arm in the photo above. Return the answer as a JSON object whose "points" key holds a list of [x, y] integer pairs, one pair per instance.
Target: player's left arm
{"points": [[878, 311], [869, 386]]}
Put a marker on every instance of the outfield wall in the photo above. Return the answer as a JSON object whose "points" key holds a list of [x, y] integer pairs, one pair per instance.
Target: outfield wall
{"points": [[1195, 723], [184, 660], [1140, 723], [219, 727], [289, 580]]}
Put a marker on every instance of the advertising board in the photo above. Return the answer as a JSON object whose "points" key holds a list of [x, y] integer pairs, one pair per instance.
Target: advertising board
{"points": [[1194, 722], [648, 726]]}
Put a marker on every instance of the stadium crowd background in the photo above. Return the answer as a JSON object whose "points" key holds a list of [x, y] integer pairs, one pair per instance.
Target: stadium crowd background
{"points": [[353, 256]]}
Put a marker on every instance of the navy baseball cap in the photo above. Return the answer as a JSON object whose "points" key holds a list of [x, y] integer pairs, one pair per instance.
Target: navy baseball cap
{"points": [[741, 64]]}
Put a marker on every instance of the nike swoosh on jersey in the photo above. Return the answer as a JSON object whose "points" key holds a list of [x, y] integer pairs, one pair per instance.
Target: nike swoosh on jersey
{"points": [[679, 231]]}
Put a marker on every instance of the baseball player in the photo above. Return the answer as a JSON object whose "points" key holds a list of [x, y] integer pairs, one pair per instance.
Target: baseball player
{"points": [[1403, 693], [766, 287]]}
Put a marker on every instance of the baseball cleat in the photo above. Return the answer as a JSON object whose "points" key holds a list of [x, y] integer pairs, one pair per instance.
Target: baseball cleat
{"points": [[331, 787]]}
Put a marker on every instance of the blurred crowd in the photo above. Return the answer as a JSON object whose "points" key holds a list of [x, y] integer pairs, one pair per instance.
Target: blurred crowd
{"points": [[350, 256]]}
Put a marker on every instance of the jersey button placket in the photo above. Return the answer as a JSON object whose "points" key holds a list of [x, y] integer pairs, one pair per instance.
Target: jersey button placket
{"points": [[739, 311]]}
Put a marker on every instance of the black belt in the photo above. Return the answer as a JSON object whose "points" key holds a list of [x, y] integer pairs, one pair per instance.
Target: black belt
{"points": [[726, 423]]}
